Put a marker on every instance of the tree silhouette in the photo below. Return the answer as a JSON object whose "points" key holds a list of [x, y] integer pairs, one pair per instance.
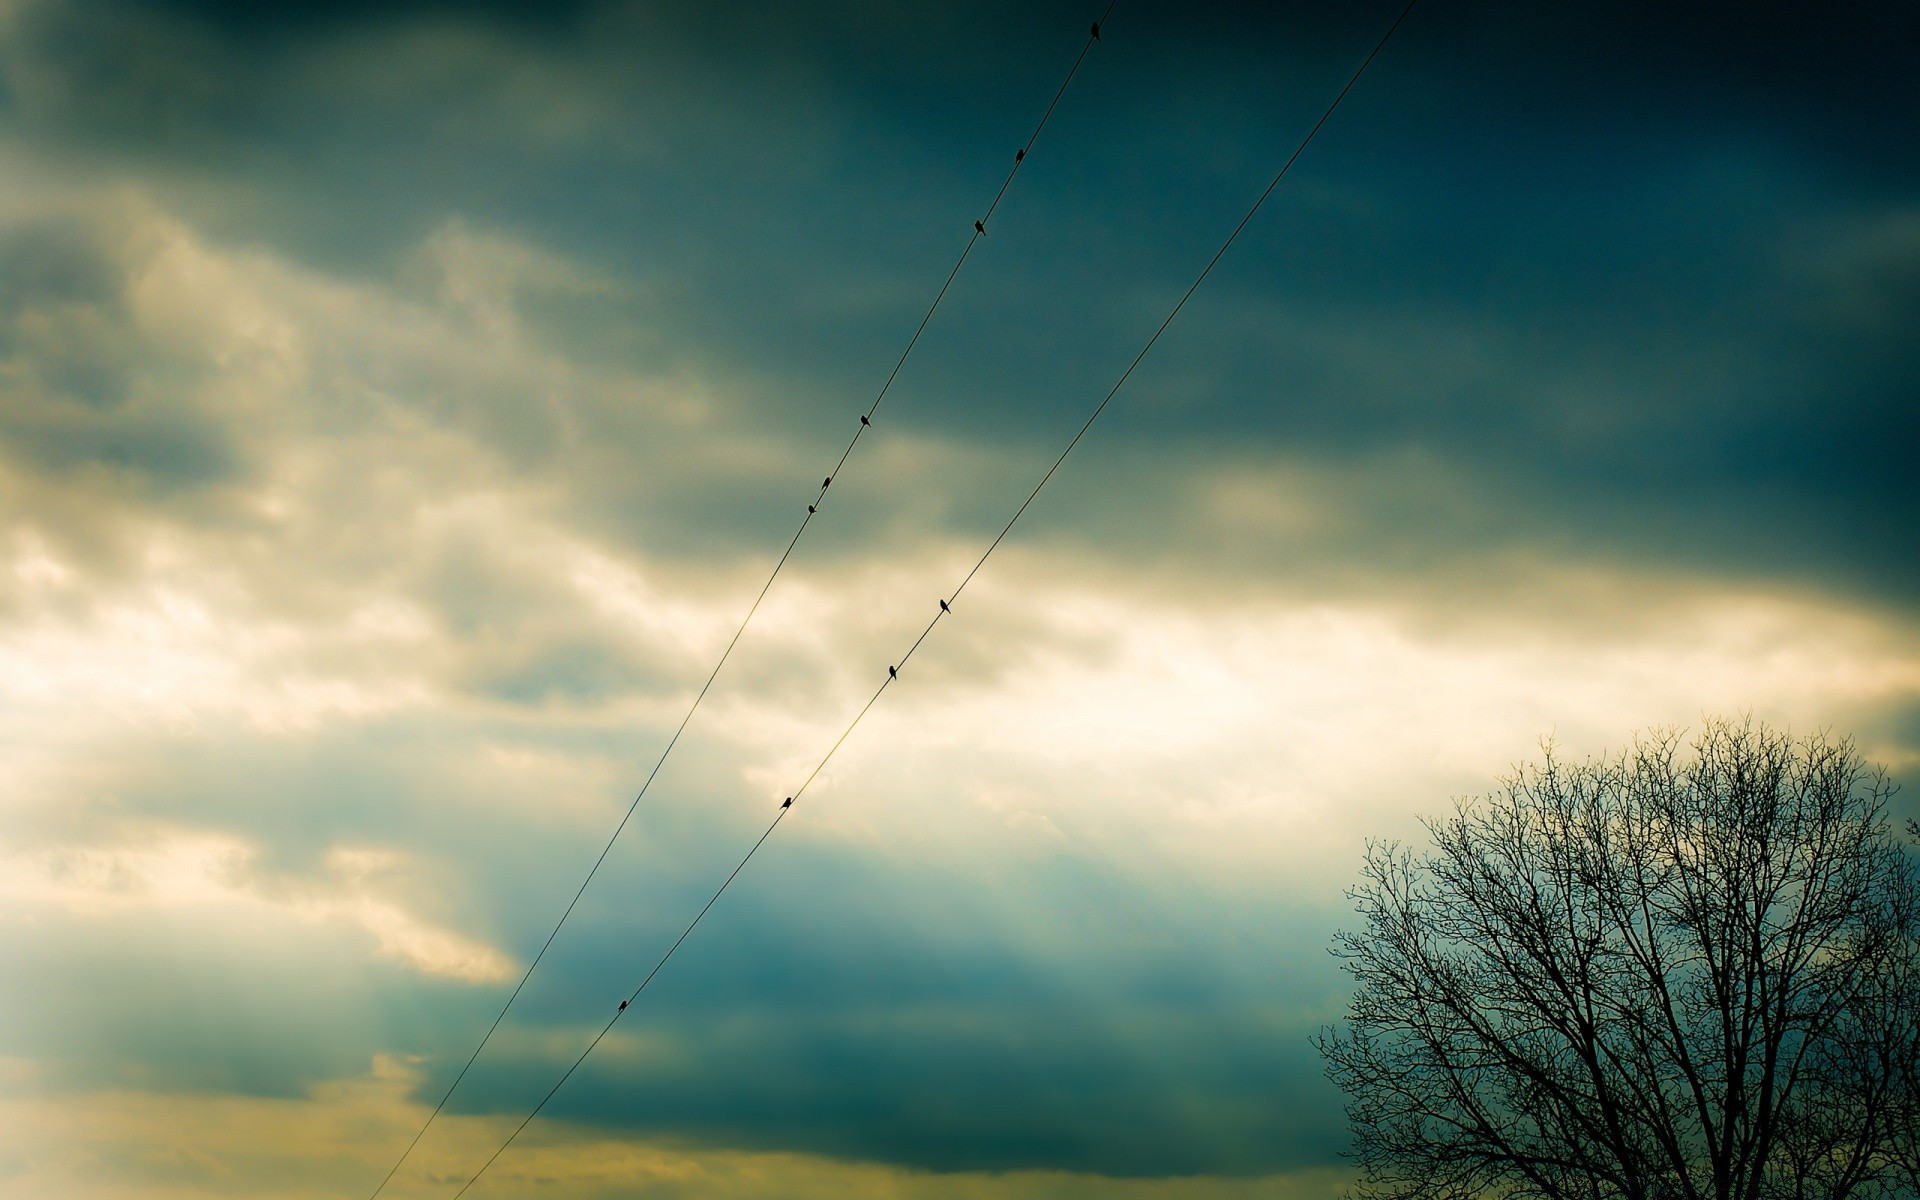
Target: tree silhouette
{"points": [[1688, 973]]}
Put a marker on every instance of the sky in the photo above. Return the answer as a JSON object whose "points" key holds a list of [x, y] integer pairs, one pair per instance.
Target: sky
{"points": [[401, 404]]}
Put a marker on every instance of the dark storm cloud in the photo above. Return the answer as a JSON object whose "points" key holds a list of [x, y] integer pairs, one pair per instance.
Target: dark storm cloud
{"points": [[1594, 259], [907, 1016]]}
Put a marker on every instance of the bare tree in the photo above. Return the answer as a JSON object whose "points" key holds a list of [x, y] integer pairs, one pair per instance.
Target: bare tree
{"points": [[1670, 976]]}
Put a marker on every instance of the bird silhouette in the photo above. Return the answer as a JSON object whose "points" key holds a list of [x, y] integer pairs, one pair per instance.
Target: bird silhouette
{"points": [[893, 673], [787, 803], [1019, 155], [826, 483], [864, 421], [812, 509], [1096, 31], [623, 1005], [943, 607], [980, 227]]}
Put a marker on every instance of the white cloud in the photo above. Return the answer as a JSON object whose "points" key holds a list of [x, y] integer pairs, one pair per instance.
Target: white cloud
{"points": [[1277, 735], [213, 877]]}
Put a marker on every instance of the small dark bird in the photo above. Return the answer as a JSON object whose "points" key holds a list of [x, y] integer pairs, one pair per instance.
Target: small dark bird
{"points": [[812, 509], [893, 673], [788, 803], [1096, 31], [623, 1005], [943, 607], [827, 482], [980, 227], [864, 421], [1019, 155]]}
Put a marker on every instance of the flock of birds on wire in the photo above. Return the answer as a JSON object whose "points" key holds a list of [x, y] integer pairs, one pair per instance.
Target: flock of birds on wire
{"points": [[893, 670]]}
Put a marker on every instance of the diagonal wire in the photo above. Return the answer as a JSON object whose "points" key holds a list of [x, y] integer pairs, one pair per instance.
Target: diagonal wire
{"points": [[945, 608], [979, 231]]}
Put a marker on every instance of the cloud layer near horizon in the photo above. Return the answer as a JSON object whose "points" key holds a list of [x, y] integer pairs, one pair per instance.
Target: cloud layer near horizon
{"points": [[398, 410]]}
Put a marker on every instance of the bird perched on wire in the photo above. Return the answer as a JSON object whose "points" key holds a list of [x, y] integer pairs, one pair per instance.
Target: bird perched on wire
{"points": [[943, 607], [893, 673], [623, 1005], [980, 227]]}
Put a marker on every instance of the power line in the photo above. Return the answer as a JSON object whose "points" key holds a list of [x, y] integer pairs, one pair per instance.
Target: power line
{"points": [[945, 605], [865, 423]]}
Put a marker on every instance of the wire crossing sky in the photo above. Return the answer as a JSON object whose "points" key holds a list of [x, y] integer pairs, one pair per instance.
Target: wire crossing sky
{"points": [[945, 605], [865, 423]]}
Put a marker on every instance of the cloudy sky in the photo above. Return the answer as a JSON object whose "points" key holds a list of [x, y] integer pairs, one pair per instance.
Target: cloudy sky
{"points": [[401, 403]]}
